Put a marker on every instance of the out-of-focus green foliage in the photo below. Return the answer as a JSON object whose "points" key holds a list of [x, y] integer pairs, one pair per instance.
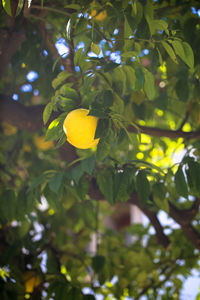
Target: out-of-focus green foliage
{"points": [[137, 68]]}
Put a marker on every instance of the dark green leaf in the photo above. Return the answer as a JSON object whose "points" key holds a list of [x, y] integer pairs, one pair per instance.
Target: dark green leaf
{"points": [[110, 66], [105, 183], [142, 187], [104, 145], [180, 182], [108, 98], [7, 206], [88, 297], [98, 262], [159, 196], [102, 127], [123, 184], [55, 182], [88, 164], [182, 90], [36, 182], [193, 177]]}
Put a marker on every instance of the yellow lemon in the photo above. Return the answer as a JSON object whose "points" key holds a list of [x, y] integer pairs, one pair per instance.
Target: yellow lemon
{"points": [[32, 280], [41, 144], [8, 129], [80, 128]]}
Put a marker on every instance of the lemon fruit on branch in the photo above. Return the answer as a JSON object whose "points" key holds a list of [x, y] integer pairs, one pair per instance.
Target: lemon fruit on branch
{"points": [[80, 128]]}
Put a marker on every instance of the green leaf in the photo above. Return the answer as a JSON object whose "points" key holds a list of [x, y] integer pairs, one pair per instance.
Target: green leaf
{"points": [[127, 33], [170, 51], [179, 50], [19, 7], [184, 51], [142, 187], [182, 90], [108, 98], [105, 183], [77, 56], [104, 145], [74, 293], [95, 48], [156, 25], [98, 263], [36, 182], [7, 6], [110, 66], [123, 184], [119, 76], [180, 182], [129, 54], [149, 86], [8, 206], [47, 112], [69, 92], [118, 105], [148, 10], [159, 196], [55, 182], [101, 128], [54, 130], [62, 76], [130, 75], [193, 177], [88, 164], [188, 54], [139, 79], [160, 56]]}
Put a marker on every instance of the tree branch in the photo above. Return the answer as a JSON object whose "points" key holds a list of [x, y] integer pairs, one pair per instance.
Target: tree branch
{"points": [[30, 118], [152, 216], [9, 43], [189, 230], [153, 131]]}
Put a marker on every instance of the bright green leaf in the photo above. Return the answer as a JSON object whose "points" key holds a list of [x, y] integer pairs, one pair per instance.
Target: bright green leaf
{"points": [[170, 51], [95, 48], [47, 112], [7, 6], [149, 86]]}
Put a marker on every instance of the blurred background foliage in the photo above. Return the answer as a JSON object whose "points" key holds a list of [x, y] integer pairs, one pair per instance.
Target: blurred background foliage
{"points": [[136, 66]]}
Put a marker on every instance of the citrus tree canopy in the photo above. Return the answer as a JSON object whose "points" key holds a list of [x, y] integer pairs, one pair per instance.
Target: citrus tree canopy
{"points": [[65, 212]]}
